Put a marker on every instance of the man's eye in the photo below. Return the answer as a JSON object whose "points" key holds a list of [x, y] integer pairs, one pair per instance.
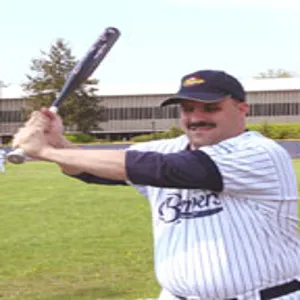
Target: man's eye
{"points": [[211, 108], [187, 108]]}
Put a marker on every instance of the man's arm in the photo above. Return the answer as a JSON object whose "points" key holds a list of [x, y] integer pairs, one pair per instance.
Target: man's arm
{"points": [[53, 131], [108, 164], [64, 143], [185, 169], [54, 135]]}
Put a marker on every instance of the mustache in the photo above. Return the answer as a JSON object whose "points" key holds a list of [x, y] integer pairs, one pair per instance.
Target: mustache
{"points": [[201, 124]]}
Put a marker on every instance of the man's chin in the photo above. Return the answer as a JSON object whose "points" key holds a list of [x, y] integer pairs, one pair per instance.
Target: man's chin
{"points": [[197, 143], [199, 140]]}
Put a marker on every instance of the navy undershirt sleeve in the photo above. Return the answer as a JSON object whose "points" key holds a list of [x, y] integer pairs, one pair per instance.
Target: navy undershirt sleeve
{"points": [[186, 169], [90, 178]]}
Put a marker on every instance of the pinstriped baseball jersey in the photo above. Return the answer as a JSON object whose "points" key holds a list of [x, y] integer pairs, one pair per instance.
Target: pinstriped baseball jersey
{"points": [[233, 243], [2, 161]]}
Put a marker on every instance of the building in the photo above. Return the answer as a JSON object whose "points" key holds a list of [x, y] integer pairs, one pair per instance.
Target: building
{"points": [[131, 113]]}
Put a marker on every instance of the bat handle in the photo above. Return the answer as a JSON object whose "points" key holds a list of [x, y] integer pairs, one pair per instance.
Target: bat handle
{"points": [[54, 109], [17, 156]]}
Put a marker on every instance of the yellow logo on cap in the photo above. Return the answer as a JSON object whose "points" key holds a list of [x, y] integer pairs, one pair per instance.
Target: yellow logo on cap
{"points": [[192, 81]]}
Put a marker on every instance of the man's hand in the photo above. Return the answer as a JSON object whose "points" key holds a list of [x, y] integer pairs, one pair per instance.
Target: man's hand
{"points": [[32, 138], [46, 130], [53, 127], [54, 132]]}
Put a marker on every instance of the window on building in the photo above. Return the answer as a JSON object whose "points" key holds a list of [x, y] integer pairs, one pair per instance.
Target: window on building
{"points": [[274, 109], [11, 116]]}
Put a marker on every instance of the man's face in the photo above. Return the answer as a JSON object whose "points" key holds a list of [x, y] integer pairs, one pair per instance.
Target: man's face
{"points": [[210, 123]]}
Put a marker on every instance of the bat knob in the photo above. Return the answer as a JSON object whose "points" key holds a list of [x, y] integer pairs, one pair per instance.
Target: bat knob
{"points": [[16, 156]]}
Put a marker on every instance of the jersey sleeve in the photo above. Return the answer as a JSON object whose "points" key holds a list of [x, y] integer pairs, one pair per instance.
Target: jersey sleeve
{"points": [[261, 171], [187, 169], [140, 188], [93, 179]]}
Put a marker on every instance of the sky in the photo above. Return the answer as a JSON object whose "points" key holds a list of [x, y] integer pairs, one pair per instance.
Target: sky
{"points": [[161, 40]]}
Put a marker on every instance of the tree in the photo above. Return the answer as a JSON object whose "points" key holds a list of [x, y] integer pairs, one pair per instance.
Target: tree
{"points": [[275, 73], [81, 110]]}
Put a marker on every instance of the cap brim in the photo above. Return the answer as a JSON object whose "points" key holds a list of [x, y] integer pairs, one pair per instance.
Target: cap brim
{"points": [[199, 97]]}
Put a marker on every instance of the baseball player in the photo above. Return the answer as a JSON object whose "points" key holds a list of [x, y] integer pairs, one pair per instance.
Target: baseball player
{"points": [[223, 198], [2, 160]]}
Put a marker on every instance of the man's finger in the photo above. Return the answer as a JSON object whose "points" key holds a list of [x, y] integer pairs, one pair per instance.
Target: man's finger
{"points": [[17, 137], [48, 113], [38, 119]]}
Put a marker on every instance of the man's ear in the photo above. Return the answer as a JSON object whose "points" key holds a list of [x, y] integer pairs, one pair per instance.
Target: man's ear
{"points": [[244, 107]]}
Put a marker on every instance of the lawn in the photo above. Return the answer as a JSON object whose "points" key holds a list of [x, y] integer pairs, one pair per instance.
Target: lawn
{"points": [[62, 239]]}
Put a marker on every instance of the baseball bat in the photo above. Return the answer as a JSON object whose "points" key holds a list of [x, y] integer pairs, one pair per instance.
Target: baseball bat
{"points": [[82, 70]]}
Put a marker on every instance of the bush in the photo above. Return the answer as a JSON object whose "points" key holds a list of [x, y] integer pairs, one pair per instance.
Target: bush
{"points": [[80, 138], [143, 138], [275, 131], [171, 133]]}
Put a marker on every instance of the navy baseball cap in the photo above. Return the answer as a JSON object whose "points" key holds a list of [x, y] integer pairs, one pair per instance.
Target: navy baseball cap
{"points": [[207, 86]]}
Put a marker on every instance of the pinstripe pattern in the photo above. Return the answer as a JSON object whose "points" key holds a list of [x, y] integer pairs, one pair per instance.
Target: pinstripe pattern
{"points": [[2, 161], [250, 243]]}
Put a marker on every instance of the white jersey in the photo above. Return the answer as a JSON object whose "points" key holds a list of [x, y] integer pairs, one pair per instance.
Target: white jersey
{"points": [[2, 161], [233, 243]]}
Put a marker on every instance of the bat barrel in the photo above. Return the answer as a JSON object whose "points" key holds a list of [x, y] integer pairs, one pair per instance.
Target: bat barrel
{"points": [[86, 66]]}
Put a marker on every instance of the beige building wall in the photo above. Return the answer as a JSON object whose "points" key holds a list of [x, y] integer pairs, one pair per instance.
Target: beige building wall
{"points": [[266, 106]]}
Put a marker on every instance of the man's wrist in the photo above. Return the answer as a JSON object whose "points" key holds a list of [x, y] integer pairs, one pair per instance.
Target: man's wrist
{"points": [[63, 143], [52, 154], [47, 153]]}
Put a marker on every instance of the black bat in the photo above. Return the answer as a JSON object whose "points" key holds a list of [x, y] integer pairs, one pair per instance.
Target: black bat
{"points": [[83, 69], [88, 64]]}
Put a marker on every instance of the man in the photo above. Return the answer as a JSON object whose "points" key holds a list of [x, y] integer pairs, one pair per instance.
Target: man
{"points": [[223, 199], [2, 161]]}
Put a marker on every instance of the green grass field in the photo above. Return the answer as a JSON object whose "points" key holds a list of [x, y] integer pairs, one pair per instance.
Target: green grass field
{"points": [[62, 239]]}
